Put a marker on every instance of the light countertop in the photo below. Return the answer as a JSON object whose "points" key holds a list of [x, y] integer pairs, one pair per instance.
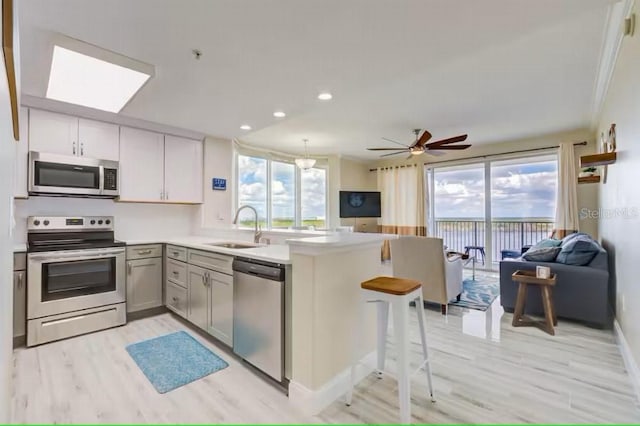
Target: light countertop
{"points": [[277, 253], [17, 248]]}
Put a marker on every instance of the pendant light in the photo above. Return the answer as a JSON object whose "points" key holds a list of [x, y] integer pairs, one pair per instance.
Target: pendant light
{"points": [[305, 163]]}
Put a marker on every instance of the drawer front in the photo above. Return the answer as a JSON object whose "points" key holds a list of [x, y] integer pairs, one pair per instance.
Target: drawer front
{"points": [[177, 272], [19, 261], [176, 299], [144, 251], [214, 261], [177, 253], [48, 329]]}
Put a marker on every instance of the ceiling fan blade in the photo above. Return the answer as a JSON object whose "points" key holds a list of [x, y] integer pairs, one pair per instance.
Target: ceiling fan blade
{"points": [[423, 139], [384, 149], [454, 139], [449, 147], [397, 143], [393, 153]]}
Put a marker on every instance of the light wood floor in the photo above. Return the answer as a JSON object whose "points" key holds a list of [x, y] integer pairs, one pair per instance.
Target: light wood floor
{"points": [[484, 371]]}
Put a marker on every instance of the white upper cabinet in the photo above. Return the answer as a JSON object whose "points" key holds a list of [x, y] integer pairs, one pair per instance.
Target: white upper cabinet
{"points": [[22, 157], [182, 170], [67, 135], [98, 140], [53, 133], [141, 165]]}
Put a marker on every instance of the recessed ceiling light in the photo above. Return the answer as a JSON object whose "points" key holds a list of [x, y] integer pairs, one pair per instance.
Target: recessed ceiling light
{"points": [[245, 127], [279, 114], [325, 96], [85, 80]]}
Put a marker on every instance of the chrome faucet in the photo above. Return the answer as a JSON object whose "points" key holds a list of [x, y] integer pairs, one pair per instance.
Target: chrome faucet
{"points": [[257, 232]]}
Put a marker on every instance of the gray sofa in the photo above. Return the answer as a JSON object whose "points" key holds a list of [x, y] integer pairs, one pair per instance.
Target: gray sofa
{"points": [[581, 292]]}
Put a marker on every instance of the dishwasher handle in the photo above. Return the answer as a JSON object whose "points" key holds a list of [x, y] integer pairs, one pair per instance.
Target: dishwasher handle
{"points": [[269, 272]]}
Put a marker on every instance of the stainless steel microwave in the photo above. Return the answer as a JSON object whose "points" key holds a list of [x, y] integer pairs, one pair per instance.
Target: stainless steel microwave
{"points": [[53, 174]]}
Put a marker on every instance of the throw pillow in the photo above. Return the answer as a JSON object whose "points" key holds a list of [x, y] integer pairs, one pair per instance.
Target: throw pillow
{"points": [[544, 254], [579, 250], [546, 243]]}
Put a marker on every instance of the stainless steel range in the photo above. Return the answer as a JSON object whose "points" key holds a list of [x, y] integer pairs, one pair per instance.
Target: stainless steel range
{"points": [[76, 280]]}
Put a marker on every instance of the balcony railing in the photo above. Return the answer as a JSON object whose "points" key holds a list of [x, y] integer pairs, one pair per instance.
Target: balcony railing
{"points": [[505, 234]]}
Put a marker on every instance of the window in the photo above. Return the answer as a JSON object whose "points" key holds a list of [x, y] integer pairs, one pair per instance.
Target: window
{"points": [[252, 190], [501, 205], [284, 196], [313, 194]]}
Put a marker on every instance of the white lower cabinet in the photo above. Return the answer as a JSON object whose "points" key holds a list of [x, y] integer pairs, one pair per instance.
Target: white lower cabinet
{"points": [[208, 292], [198, 293], [144, 278]]}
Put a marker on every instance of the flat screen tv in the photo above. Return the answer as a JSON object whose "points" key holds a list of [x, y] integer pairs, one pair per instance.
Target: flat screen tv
{"points": [[359, 204]]}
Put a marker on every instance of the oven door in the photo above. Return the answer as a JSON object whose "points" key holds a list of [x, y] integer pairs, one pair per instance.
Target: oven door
{"points": [[59, 174], [66, 281]]}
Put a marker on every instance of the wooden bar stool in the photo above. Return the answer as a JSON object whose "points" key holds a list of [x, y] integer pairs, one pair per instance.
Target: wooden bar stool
{"points": [[526, 278], [397, 293]]}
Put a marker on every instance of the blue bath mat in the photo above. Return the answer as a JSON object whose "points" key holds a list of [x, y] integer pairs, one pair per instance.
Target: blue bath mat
{"points": [[174, 360]]}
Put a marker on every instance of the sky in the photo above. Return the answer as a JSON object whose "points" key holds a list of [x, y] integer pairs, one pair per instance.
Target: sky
{"points": [[253, 183], [517, 190]]}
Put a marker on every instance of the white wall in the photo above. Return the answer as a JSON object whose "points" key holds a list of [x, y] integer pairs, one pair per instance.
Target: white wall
{"points": [[218, 209], [587, 193], [620, 234], [132, 220]]}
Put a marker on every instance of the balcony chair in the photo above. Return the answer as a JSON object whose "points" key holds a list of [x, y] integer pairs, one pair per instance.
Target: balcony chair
{"points": [[424, 259]]}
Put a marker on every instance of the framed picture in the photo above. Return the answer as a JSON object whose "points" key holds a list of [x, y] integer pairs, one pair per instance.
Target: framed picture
{"points": [[9, 62]]}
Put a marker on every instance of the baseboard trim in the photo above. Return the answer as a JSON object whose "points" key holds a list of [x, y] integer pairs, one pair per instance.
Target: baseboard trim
{"points": [[627, 356], [312, 402], [151, 312]]}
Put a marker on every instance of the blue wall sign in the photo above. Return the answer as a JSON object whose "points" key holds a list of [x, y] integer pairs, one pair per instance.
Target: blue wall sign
{"points": [[219, 184]]}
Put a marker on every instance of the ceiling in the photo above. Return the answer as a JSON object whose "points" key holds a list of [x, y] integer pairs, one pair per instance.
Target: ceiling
{"points": [[495, 69]]}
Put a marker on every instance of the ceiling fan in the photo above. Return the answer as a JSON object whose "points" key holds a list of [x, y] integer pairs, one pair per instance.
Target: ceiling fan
{"points": [[420, 145]]}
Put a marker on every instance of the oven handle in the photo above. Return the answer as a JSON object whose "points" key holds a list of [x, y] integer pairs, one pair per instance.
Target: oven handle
{"points": [[76, 254]]}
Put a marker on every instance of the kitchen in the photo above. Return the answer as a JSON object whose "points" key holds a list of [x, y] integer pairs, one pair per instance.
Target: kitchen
{"points": [[117, 226]]}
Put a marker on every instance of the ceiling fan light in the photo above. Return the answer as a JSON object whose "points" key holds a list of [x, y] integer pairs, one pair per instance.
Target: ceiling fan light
{"points": [[416, 151], [305, 163]]}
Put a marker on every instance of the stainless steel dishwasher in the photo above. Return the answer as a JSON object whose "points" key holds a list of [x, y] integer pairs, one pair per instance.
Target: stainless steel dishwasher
{"points": [[258, 314]]}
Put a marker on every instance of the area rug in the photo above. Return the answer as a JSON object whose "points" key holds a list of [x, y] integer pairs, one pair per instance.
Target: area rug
{"points": [[478, 294], [174, 360]]}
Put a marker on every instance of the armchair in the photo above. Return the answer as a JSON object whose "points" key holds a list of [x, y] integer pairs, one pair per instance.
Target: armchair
{"points": [[424, 259]]}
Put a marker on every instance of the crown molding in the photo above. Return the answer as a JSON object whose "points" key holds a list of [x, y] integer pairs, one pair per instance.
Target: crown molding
{"points": [[613, 35]]}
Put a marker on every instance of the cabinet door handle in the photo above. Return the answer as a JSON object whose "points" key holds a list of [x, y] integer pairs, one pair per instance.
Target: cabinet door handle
{"points": [[82, 148], [176, 273], [175, 299], [20, 280], [74, 147], [175, 253], [149, 251], [129, 267], [166, 195], [162, 195]]}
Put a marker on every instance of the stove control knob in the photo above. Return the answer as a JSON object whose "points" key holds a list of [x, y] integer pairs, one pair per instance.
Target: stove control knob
{"points": [[108, 222], [36, 222], [93, 222], [100, 222], [46, 222]]}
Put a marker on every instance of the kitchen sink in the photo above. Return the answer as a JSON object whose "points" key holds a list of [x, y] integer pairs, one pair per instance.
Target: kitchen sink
{"points": [[234, 245]]}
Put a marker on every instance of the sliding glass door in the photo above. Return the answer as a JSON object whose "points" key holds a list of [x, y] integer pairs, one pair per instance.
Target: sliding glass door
{"points": [[498, 206], [523, 201], [459, 206]]}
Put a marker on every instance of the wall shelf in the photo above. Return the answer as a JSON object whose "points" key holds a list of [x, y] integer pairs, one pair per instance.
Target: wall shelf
{"points": [[598, 159], [589, 179]]}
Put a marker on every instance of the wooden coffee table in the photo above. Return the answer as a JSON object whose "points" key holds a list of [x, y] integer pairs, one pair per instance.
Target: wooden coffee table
{"points": [[526, 278]]}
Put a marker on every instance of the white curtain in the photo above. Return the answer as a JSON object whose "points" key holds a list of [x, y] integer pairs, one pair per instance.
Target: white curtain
{"points": [[567, 202], [403, 200]]}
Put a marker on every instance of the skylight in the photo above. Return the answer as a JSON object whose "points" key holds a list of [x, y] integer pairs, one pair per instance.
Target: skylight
{"points": [[85, 80]]}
